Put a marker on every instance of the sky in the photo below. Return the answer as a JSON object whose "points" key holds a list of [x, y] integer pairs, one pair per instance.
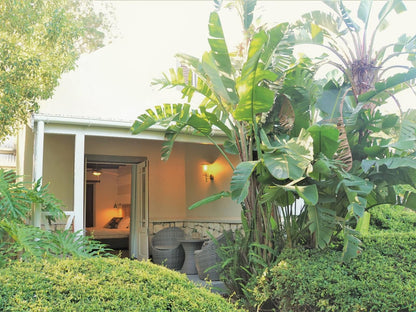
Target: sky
{"points": [[115, 81]]}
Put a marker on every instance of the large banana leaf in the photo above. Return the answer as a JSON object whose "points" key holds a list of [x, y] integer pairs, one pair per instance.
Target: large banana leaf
{"points": [[351, 25], [356, 189], [254, 98], [391, 82], [291, 159], [322, 224], [248, 11], [316, 26], [330, 101], [240, 182], [162, 115], [325, 139], [390, 163], [209, 199], [364, 10], [278, 195], [176, 118], [407, 134], [309, 193], [354, 185], [217, 63], [222, 86], [389, 6], [276, 35], [189, 88], [351, 244]]}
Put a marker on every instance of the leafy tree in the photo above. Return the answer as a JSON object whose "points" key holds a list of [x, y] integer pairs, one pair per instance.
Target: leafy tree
{"points": [[40, 40], [379, 147], [266, 104]]}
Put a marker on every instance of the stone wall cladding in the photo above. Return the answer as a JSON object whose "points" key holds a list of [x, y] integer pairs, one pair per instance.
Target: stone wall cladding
{"points": [[195, 229]]}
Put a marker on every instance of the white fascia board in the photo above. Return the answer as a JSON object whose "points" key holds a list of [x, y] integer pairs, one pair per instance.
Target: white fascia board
{"points": [[111, 128]]}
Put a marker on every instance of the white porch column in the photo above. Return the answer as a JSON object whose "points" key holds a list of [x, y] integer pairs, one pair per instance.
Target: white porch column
{"points": [[38, 166], [79, 182]]}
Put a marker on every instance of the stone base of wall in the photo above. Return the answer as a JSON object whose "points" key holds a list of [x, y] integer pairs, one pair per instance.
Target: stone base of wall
{"points": [[195, 229]]}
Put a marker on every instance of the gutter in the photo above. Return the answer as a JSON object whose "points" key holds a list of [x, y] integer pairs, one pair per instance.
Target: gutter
{"points": [[87, 122], [48, 119]]}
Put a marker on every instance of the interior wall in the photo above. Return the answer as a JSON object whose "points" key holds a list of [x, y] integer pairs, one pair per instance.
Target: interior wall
{"points": [[199, 187], [58, 167], [105, 197], [124, 185], [167, 194]]}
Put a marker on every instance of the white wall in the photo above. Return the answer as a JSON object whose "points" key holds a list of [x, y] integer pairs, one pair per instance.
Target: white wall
{"points": [[105, 196], [173, 185], [58, 163], [115, 81]]}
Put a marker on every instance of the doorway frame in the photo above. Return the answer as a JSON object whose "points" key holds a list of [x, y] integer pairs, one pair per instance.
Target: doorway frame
{"points": [[135, 162]]}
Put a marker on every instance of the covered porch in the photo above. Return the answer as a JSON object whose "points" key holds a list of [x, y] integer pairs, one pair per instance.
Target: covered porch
{"points": [[61, 147]]}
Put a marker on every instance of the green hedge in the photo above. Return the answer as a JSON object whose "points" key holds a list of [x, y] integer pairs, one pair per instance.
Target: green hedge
{"points": [[392, 218], [382, 278], [102, 284]]}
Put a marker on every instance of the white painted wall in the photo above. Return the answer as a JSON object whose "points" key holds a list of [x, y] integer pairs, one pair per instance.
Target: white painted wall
{"points": [[58, 169], [173, 185], [105, 196], [114, 82]]}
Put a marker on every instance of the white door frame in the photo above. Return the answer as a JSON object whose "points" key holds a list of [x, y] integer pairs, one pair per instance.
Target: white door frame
{"points": [[139, 217], [139, 212]]}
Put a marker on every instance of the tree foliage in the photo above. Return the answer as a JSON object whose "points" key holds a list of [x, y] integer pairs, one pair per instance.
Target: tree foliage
{"points": [[18, 240], [266, 102], [39, 41]]}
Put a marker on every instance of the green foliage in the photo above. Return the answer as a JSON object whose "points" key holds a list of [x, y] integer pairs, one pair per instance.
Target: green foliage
{"points": [[18, 240], [242, 263], [267, 104], [352, 43], [392, 218], [101, 284], [16, 198], [381, 279], [40, 40]]}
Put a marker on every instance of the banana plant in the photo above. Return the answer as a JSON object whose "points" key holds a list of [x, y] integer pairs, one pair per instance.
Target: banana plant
{"points": [[238, 93], [233, 96], [369, 75], [247, 102], [352, 43], [369, 78]]}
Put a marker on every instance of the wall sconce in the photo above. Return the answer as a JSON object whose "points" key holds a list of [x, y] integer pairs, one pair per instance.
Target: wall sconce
{"points": [[96, 172], [116, 206], [207, 173]]}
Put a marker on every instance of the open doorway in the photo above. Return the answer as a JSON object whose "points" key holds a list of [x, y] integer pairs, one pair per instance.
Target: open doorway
{"points": [[116, 204]]}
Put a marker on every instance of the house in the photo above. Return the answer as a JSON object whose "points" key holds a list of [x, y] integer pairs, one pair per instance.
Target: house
{"points": [[80, 143], [8, 153]]}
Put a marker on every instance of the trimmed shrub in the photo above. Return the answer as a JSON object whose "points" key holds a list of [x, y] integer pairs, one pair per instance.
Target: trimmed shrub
{"points": [[382, 278], [392, 218], [102, 284]]}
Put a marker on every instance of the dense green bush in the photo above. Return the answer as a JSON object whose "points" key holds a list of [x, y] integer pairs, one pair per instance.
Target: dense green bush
{"points": [[382, 278], [392, 218], [101, 284]]}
